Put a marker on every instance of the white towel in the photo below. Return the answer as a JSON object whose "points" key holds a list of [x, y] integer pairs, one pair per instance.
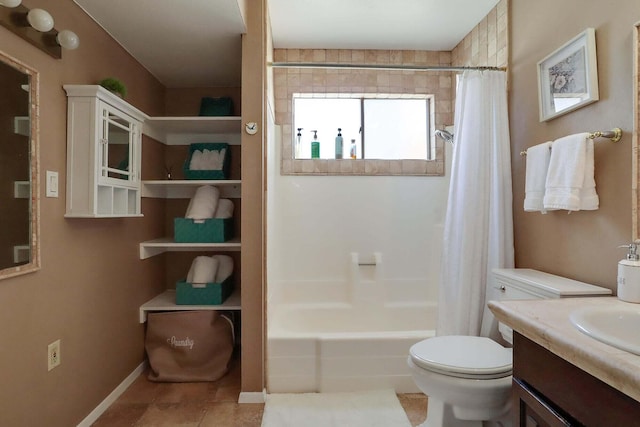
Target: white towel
{"points": [[589, 200], [536, 175], [204, 203], [225, 209], [567, 173], [225, 267], [207, 159], [203, 270], [196, 161]]}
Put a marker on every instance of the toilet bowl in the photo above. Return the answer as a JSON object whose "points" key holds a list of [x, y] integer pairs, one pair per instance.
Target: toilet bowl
{"points": [[468, 379]]}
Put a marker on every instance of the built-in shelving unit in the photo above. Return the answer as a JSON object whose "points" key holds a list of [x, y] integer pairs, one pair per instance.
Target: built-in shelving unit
{"points": [[183, 189], [166, 244], [184, 131], [166, 301]]}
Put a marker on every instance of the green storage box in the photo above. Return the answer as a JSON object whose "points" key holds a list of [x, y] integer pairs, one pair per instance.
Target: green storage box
{"points": [[203, 294], [221, 106], [214, 230], [208, 174]]}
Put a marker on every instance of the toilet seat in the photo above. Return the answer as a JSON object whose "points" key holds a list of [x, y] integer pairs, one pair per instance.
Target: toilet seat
{"points": [[463, 357]]}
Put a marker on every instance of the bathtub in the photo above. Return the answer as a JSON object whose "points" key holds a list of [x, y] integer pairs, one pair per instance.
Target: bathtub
{"points": [[339, 347]]}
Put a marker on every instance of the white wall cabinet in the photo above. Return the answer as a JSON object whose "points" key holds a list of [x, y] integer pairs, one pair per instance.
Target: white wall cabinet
{"points": [[104, 135]]}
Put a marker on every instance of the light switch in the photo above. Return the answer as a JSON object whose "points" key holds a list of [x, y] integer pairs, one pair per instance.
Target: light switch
{"points": [[52, 184]]}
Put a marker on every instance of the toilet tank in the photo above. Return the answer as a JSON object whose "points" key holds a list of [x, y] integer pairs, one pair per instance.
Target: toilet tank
{"points": [[525, 283]]}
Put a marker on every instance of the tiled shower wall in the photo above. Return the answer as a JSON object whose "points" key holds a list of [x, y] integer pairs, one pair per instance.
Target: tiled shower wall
{"points": [[288, 81], [485, 45]]}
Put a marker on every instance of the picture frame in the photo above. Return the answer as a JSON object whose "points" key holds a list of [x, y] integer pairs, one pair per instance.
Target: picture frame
{"points": [[568, 77]]}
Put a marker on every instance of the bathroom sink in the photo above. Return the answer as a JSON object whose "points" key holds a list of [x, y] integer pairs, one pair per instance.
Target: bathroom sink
{"points": [[616, 326]]}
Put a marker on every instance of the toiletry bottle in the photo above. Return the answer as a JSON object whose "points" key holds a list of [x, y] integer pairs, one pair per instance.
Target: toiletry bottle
{"points": [[315, 146], [339, 144], [298, 139], [353, 151], [629, 275]]}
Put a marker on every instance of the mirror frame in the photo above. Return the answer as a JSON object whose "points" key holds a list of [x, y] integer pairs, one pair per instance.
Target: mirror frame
{"points": [[34, 162], [635, 154]]}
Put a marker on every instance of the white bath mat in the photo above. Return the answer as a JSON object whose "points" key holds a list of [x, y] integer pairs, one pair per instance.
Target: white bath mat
{"points": [[379, 408]]}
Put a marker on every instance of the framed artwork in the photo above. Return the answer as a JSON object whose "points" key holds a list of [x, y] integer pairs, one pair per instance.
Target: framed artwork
{"points": [[568, 77]]}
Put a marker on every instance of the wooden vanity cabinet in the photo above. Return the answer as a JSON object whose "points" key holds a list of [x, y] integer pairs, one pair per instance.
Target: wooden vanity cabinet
{"points": [[548, 391]]}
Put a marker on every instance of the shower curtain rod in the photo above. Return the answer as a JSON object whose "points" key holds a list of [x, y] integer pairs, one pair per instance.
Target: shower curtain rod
{"points": [[387, 67]]}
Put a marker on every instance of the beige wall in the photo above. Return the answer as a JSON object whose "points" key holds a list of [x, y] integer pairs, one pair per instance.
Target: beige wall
{"points": [[92, 281], [254, 48], [581, 245]]}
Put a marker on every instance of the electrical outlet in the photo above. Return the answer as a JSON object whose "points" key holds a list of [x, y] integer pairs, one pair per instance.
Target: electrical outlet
{"points": [[53, 353]]}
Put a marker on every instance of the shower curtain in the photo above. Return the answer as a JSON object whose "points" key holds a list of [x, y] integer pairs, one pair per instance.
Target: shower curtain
{"points": [[478, 232]]}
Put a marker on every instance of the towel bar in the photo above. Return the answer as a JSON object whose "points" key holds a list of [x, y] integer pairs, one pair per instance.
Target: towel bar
{"points": [[614, 135]]}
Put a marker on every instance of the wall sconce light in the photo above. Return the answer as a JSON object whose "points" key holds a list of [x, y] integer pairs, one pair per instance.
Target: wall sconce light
{"points": [[40, 19], [10, 3], [36, 27]]}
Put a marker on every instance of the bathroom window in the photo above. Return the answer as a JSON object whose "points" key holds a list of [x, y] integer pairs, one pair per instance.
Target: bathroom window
{"points": [[376, 126]]}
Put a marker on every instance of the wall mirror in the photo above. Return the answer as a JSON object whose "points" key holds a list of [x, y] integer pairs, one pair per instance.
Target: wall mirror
{"points": [[19, 197], [636, 131]]}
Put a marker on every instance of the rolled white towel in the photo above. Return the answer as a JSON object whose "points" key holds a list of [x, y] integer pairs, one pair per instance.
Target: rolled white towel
{"points": [[224, 209], [208, 159], [189, 278], [196, 160], [204, 203], [225, 267], [203, 270], [218, 160]]}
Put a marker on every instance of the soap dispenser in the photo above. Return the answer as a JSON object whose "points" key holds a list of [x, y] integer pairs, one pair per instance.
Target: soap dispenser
{"points": [[298, 140], [315, 146], [629, 275], [339, 144]]}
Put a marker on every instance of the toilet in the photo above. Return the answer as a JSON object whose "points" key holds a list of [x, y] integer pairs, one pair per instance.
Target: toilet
{"points": [[468, 379]]}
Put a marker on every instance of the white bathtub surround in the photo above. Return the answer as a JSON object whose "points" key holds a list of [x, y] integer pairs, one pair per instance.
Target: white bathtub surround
{"points": [[478, 232], [339, 347], [364, 409], [366, 273], [314, 224]]}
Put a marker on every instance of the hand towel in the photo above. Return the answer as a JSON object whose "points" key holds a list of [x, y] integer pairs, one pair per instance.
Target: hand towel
{"points": [[589, 200], [225, 267], [566, 173], [225, 209], [536, 175], [196, 161], [219, 159], [203, 270], [204, 203]]}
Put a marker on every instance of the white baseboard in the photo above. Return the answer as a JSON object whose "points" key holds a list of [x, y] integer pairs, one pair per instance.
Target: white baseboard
{"points": [[113, 396], [252, 397]]}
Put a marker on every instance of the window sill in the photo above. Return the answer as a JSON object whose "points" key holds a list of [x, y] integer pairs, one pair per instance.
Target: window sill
{"points": [[350, 167]]}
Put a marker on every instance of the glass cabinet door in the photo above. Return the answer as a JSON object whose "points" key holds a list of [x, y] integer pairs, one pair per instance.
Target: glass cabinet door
{"points": [[117, 145]]}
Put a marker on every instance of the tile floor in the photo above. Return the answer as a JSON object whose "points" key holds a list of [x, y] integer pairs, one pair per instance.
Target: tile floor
{"points": [[209, 404]]}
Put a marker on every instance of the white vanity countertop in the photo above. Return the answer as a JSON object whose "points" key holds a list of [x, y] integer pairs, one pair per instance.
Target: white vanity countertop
{"points": [[546, 322]]}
